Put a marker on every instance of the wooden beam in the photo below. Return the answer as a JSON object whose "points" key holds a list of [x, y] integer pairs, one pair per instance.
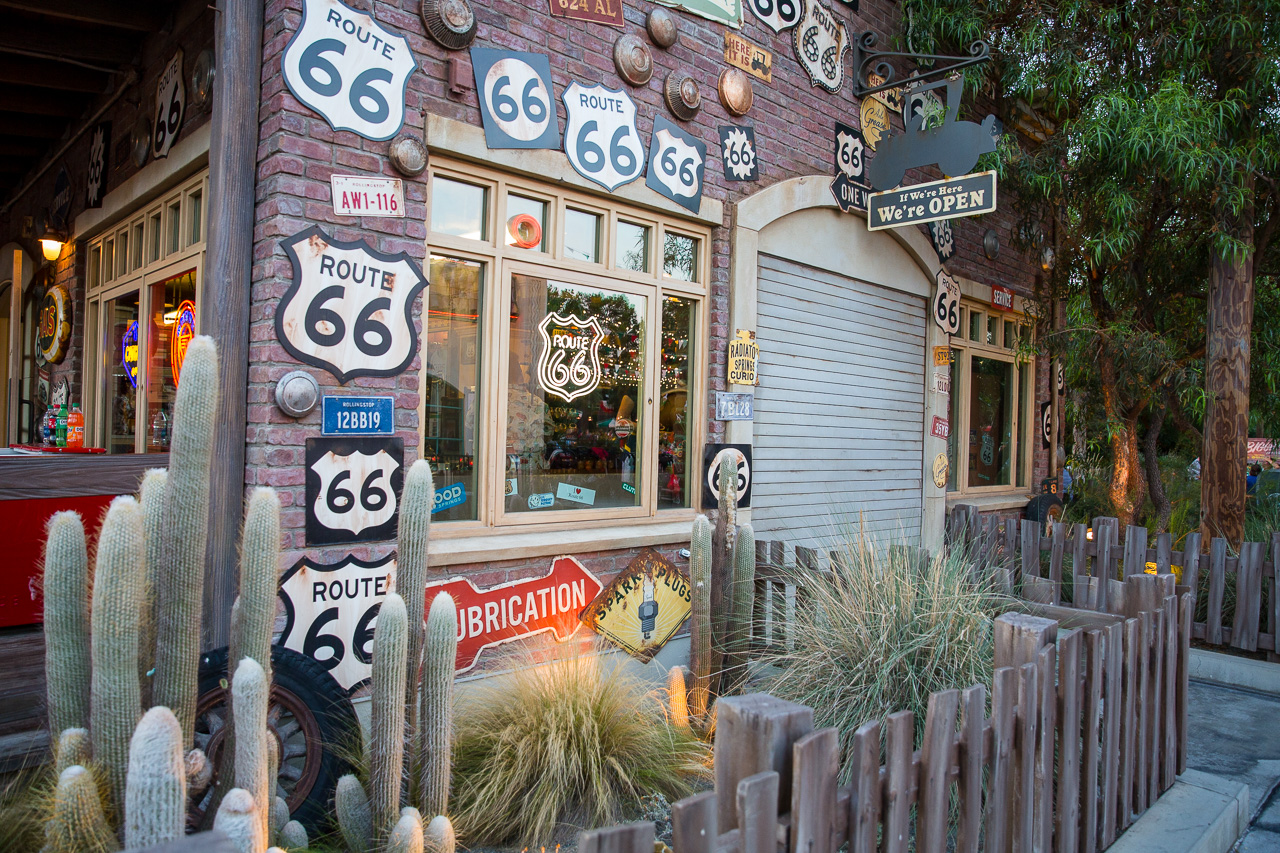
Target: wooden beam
{"points": [[21, 149], [233, 158], [31, 127], [70, 43], [40, 102], [48, 74], [135, 15]]}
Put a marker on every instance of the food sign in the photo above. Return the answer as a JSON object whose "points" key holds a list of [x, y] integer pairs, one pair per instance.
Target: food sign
{"points": [[347, 310], [744, 355], [821, 40], [676, 164], [353, 488], [946, 303], [171, 99], [184, 331], [600, 135], [349, 69], [516, 104], [569, 364], [643, 606]]}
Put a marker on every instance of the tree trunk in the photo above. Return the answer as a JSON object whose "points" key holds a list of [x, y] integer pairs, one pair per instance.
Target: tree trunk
{"points": [[1151, 450], [1226, 380], [1127, 487]]}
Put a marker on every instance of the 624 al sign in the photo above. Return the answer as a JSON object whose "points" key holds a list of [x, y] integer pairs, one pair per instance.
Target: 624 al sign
{"points": [[347, 310]]}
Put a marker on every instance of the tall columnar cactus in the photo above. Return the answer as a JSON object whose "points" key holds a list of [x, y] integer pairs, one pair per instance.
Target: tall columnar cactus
{"points": [[436, 721], [115, 700], [78, 824], [74, 747], [152, 499], [744, 596], [438, 837], [386, 723], [155, 800], [238, 817], [186, 527], [677, 697], [406, 837], [259, 578], [249, 689], [700, 621], [722, 568], [416, 500], [66, 622], [351, 808]]}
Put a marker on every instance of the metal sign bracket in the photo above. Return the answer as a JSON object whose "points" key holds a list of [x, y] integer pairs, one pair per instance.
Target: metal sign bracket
{"points": [[867, 61]]}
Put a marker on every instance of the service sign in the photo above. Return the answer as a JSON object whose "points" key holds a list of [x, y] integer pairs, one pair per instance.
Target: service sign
{"points": [[552, 604], [353, 489], [943, 239], [171, 100], [738, 150], [347, 309], [941, 427], [597, 11], [743, 357], [357, 196], [946, 303], [850, 186], [734, 407], [777, 15], [643, 606], [715, 455], [600, 135], [968, 195], [330, 612], [821, 40], [516, 103], [676, 164], [741, 53], [1001, 298], [569, 363], [357, 416], [99, 158], [725, 11], [349, 68]]}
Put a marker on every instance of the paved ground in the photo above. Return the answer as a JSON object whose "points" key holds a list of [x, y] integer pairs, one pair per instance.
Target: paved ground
{"points": [[1235, 734]]}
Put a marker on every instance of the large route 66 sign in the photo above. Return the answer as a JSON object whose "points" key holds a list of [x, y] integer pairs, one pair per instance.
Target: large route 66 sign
{"points": [[171, 100], [600, 135], [353, 488], [821, 40], [349, 68], [515, 98], [946, 304], [347, 310], [777, 15], [330, 613], [850, 186], [676, 164]]}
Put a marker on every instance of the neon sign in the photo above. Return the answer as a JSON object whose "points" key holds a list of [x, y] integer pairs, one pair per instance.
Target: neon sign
{"points": [[577, 342], [129, 353], [184, 329]]}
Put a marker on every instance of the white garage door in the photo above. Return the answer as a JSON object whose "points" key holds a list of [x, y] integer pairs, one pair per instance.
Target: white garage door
{"points": [[840, 406]]}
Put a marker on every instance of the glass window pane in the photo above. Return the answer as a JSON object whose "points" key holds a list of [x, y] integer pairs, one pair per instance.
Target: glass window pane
{"points": [[122, 253], [990, 423], [632, 249], [526, 223], [452, 365], [108, 260], [136, 244], [975, 325], [173, 325], [153, 253], [574, 435], [175, 227], [581, 235], [121, 357], [95, 266], [459, 209], [679, 257], [993, 331], [1028, 418], [196, 202], [675, 461], [1010, 340], [953, 446]]}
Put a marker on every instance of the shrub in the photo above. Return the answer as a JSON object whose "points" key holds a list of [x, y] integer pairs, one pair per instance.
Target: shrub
{"points": [[575, 741], [883, 632]]}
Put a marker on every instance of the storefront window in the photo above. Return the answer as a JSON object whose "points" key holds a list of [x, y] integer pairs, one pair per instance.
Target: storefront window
{"points": [[459, 209], [452, 386], [990, 422], [122, 347], [581, 235], [679, 257], [172, 328], [526, 223], [574, 434], [632, 251], [679, 331]]}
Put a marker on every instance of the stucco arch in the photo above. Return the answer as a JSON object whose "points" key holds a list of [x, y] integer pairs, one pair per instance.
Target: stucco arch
{"points": [[7, 264]]}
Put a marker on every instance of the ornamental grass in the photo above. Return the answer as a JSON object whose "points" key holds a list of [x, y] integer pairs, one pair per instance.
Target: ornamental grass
{"points": [[881, 633], [566, 745]]}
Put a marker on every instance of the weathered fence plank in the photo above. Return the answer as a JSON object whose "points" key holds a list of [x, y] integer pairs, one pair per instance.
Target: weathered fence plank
{"points": [[757, 812], [628, 838], [1169, 701], [1004, 696], [1068, 800], [935, 772], [1244, 628], [1092, 710], [974, 703], [755, 733], [1217, 583], [1186, 613], [898, 782], [1143, 740], [1191, 564], [1112, 714], [1129, 721], [816, 758], [693, 824], [1057, 550], [864, 805]]}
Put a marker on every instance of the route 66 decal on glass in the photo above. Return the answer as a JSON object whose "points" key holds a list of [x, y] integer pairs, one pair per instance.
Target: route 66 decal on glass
{"points": [[516, 103], [349, 68], [353, 488], [777, 15], [347, 309], [676, 164], [738, 150], [600, 135]]}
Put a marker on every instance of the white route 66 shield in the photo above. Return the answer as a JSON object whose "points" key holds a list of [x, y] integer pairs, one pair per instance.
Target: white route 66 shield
{"points": [[354, 509], [569, 364], [677, 162], [821, 40], [600, 135], [347, 309], [349, 68]]}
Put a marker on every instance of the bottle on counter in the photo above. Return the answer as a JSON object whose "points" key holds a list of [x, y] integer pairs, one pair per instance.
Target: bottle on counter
{"points": [[75, 428], [62, 426], [49, 427]]}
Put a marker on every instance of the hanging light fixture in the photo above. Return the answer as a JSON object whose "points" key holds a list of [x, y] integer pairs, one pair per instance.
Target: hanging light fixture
{"points": [[51, 244]]}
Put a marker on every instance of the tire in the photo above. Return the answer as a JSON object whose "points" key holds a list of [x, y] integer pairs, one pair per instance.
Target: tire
{"points": [[1043, 508], [311, 718]]}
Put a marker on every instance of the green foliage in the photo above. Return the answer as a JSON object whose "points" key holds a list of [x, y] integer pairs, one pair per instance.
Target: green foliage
{"points": [[572, 742]]}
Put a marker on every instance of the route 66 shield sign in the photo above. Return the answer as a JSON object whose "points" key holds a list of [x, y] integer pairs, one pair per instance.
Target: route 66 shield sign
{"points": [[569, 364], [349, 68], [347, 309], [600, 135], [516, 103], [677, 162], [352, 489], [821, 40]]}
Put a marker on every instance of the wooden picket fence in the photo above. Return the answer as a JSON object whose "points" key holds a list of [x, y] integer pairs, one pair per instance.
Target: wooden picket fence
{"points": [[1086, 727]]}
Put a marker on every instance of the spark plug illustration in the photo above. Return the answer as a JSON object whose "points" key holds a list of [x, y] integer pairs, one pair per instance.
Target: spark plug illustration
{"points": [[648, 610]]}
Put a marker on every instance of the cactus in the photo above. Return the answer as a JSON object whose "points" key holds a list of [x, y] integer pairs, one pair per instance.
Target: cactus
{"points": [[743, 602], [278, 818], [115, 701], [78, 824], [351, 808], [677, 699], [293, 836], [438, 837], [73, 747], [416, 499], [436, 721], [186, 525], [386, 723], [152, 499], [249, 690], [700, 623], [722, 571], [199, 772], [259, 578], [155, 802], [66, 622], [273, 777], [238, 818], [406, 837]]}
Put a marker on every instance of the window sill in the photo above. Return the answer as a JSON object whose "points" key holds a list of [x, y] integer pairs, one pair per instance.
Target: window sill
{"points": [[987, 503], [498, 544]]}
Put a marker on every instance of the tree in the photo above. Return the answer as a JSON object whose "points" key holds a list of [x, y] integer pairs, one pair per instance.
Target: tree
{"points": [[1151, 148]]}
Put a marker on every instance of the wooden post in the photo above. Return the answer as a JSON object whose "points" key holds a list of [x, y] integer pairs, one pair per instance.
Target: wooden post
{"points": [[1024, 800], [1112, 709], [233, 159], [1135, 550], [1244, 628], [816, 764], [1169, 703], [898, 781], [1164, 553], [1129, 720], [1079, 566], [1093, 682], [864, 805], [1056, 554], [628, 838], [757, 812], [1191, 564], [1031, 549], [974, 702], [754, 733], [1047, 670], [693, 824], [1217, 584], [1068, 803], [1004, 696], [1018, 637], [1142, 704], [1186, 613], [935, 772]]}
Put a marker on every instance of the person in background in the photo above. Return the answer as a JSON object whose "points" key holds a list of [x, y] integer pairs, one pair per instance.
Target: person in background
{"points": [[1251, 481], [1193, 470], [1067, 480]]}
